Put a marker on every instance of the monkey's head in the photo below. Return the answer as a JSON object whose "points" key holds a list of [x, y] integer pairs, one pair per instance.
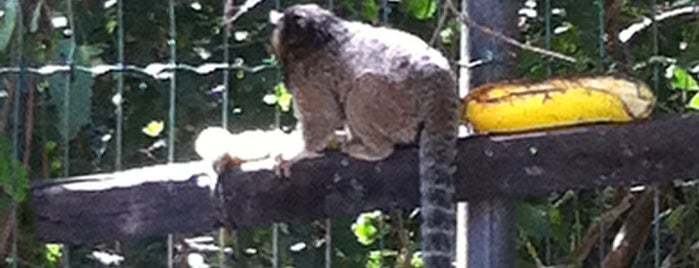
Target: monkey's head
{"points": [[303, 29]]}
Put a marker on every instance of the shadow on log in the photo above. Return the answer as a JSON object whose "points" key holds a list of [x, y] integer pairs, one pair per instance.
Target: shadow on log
{"points": [[335, 185]]}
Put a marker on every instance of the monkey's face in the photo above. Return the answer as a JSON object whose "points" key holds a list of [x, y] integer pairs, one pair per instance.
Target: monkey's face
{"points": [[302, 29]]}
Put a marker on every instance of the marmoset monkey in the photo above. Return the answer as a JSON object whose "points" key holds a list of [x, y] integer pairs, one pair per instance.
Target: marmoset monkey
{"points": [[385, 87]]}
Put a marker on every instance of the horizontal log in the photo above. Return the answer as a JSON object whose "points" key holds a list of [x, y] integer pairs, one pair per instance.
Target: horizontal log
{"points": [[335, 185], [140, 202]]}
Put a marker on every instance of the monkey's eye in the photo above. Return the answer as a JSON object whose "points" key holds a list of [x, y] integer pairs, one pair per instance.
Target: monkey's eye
{"points": [[295, 19]]}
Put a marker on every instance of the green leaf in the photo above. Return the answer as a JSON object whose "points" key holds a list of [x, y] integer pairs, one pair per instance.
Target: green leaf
{"points": [[54, 252], [13, 177], [416, 260], [7, 26], [365, 232], [283, 97], [682, 80], [374, 260], [111, 26], [153, 129], [675, 218], [366, 227], [371, 10], [447, 36], [533, 220], [376, 257], [420, 9], [694, 102]]}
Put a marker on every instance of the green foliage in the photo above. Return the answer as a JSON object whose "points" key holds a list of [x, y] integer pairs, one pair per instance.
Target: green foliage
{"points": [[682, 80], [153, 129], [54, 252], [281, 97], [376, 258], [13, 177], [447, 36], [533, 220], [370, 10], [420, 9], [416, 260], [52, 153], [367, 228]]}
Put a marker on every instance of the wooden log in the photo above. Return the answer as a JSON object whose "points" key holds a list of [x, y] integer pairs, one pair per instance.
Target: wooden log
{"points": [[171, 199], [157, 200]]}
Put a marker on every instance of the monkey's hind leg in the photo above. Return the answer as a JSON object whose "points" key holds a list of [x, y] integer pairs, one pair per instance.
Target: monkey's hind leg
{"points": [[379, 116]]}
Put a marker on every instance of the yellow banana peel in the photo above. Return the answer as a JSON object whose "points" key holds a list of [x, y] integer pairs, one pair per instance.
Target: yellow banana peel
{"points": [[523, 106]]}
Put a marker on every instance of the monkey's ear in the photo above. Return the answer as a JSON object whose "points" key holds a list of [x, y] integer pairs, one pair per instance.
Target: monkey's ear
{"points": [[275, 17]]}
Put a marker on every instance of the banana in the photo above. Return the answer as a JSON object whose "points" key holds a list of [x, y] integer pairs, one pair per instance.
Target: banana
{"points": [[524, 106]]}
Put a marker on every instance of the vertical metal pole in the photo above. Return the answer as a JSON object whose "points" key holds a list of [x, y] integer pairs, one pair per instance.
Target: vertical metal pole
{"points": [[66, 109], [328, 243], [462, 207], [120, 86], [601, 250], [328, 221], [549, 71], [171, 114], [547, 26], [119, 113], [491, 226], [224, 110], [277, 125], [491, 222], [14, 166], [656, 88]]}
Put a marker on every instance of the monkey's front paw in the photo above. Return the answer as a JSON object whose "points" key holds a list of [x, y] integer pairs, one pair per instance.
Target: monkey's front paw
{"points": [[282, 167]]}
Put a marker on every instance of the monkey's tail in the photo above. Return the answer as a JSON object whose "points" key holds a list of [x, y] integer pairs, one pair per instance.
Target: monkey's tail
{"points": [[439, 108]]}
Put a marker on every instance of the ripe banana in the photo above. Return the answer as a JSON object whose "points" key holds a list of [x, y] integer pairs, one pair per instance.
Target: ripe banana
{"points": [[524, 106]]}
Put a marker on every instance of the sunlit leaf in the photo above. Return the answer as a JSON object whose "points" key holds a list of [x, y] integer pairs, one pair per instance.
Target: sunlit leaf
{"points": [[447, 36], [366, 227], [683, 81], [54, 252], [694, 102], [153, 129], [420, 9], [283, 97], [376, 257], [111, 26], [371, 10], [416, 260]]}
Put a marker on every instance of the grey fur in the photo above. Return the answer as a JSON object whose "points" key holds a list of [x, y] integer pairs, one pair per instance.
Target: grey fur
{"points": [[382, 85]]}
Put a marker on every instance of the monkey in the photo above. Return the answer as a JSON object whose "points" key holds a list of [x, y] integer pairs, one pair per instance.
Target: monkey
{"points": [[385, 87]]}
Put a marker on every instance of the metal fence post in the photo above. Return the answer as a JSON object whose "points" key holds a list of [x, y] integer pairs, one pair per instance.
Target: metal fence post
{"points": [[491, 222]]}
